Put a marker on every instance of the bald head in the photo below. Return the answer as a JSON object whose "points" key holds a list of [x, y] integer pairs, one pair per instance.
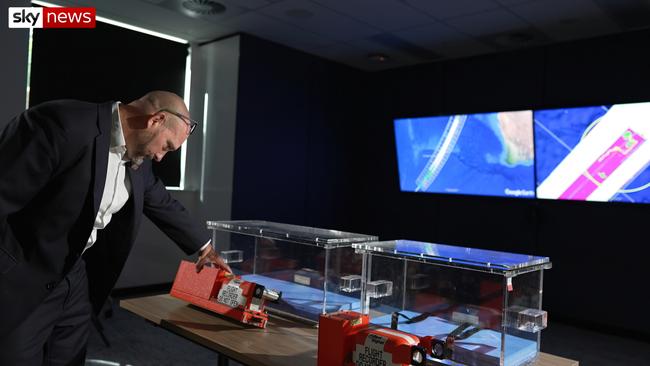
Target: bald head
{"points": [[159, 99]]}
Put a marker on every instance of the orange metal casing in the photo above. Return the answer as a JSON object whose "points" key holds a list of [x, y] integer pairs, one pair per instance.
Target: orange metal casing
{"points": [[346, 336], [201, 289], [336, 336]]}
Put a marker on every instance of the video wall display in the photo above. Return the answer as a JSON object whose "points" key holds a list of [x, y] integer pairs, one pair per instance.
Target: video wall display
{"points": [[598, 153], [481, 154]]}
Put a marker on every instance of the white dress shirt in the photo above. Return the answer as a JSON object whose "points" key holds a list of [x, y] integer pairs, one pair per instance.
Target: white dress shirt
{"points": [[117, 188], [118, 185]]}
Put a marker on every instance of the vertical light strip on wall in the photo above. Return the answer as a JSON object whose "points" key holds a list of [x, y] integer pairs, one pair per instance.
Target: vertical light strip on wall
{"points": [[186, 98], [29, 65], [203, 148]]}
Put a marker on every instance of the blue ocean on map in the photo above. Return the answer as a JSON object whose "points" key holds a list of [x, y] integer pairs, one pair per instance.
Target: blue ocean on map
{"points": [[465, 154], [558, 131]]}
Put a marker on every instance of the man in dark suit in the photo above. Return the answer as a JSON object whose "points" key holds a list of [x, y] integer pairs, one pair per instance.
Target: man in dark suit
{"points": [[75, 178]]}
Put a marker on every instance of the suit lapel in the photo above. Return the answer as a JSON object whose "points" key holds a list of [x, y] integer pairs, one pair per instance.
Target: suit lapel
{"points": [[136, 187], [137, 195], [104, 114]]}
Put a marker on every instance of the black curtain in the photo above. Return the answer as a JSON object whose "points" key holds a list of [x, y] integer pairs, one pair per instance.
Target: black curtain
{"points": [[107, 63]]}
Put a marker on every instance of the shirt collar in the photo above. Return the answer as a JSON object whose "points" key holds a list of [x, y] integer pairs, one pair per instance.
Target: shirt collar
{"points": [[118, 143]]}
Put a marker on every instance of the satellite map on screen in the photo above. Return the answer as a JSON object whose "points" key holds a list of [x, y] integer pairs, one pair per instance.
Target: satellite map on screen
{"points": [[478, 154], [598, 153]]}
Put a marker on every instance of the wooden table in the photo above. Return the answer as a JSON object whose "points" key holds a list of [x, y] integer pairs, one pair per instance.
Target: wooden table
{"points": [[283, 342]]}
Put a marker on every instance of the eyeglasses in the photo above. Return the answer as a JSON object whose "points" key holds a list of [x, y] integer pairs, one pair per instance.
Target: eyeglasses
{"points": [[192, 123]]}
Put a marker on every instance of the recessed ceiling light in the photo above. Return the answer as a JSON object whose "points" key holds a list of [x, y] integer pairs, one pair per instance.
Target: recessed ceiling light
{"points": [[204, 7], [378, 57], [299, 13]]}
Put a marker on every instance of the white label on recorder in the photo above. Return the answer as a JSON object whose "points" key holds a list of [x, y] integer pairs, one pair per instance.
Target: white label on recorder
{"points": [[372, 352], [303, 280], [231, 294]]}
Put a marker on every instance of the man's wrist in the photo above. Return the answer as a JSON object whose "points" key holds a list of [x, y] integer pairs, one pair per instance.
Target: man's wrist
{"points": [[205, 246]]}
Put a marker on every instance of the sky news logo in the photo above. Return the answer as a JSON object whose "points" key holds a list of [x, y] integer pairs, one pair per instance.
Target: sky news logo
{"points": [[51, 17]]}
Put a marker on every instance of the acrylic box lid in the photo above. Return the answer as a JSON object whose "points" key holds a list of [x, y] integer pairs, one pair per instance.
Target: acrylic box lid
{"points": [[294, 233], [477, 259]]}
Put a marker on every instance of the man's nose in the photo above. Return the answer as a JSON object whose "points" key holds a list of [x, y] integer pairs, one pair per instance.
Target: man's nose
{"points": [[158, 157]]}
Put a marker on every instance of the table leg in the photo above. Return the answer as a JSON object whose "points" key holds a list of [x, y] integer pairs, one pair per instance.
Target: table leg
{"points": [[223, 360]]}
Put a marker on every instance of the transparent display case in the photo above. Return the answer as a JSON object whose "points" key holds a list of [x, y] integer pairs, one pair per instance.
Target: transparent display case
{"points": [[315, 269], [486, 305]]}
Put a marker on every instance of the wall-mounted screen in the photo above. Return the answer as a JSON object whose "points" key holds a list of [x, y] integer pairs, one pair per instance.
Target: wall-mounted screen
{"points": [[596, 153], [476, 154]]}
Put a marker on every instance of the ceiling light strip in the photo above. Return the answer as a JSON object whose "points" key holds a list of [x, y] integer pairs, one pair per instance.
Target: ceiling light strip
{"points": [[120, 24]]}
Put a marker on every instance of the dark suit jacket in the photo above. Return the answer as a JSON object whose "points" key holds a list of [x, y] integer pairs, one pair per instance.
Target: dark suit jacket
{"points": [[53, 161]]}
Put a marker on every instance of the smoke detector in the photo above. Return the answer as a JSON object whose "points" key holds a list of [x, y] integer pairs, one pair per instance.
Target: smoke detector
{"points": [[204, 7]]}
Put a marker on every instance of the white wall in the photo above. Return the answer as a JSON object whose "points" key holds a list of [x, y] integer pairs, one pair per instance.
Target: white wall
{"points": [[208, 182], [215, 70]]}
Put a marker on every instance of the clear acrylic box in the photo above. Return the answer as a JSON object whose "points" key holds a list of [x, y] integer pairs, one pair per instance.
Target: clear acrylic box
{"points": [[315, 269], [487, 303]]}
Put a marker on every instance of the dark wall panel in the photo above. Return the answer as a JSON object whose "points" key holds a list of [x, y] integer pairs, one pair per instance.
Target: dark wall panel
{"points": [[598, 262], [295, 115], [409, 92], [333, 163], [599, 71], [504, 81]]}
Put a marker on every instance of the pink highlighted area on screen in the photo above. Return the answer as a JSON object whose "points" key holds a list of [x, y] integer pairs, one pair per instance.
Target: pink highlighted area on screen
{"points": [[604, 166], [611, 153]]}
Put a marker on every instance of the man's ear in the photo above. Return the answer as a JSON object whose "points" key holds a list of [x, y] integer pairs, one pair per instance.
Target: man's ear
{"points": [[156, 120]]}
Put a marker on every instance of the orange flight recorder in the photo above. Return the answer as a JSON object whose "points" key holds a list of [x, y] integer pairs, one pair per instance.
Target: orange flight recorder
{"points": [[345, 338], [224, 293]]}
